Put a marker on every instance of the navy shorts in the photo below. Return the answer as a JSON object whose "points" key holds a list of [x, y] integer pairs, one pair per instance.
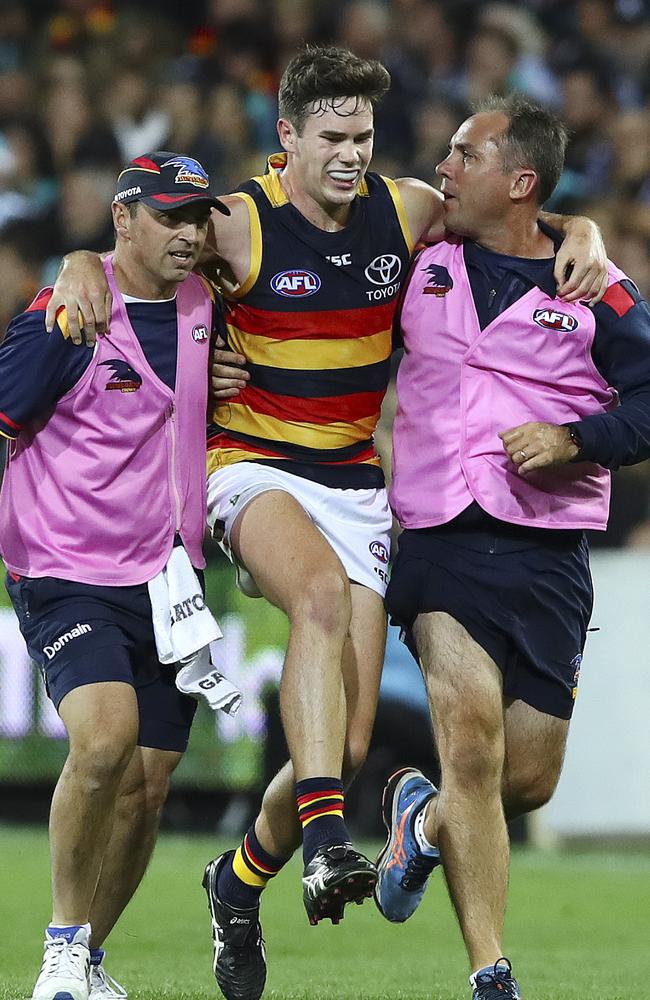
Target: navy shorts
{"points": [[525, 596], [81, 634]]}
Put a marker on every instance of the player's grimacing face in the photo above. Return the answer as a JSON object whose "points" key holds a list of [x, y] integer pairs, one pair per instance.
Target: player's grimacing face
{"points": [[332, 154]]}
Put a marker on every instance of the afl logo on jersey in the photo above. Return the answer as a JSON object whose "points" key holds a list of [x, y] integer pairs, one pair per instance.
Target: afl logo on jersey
{"points": [[550, 319], [383, 269], [295, 284], [200, 333], [379, 551]]}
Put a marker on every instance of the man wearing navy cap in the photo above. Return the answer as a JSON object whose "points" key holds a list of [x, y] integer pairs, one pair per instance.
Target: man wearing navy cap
{"points": [[88, 431]]}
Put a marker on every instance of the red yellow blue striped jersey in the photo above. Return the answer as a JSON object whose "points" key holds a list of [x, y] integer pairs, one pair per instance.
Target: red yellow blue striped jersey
{"points": [[314, 321]]}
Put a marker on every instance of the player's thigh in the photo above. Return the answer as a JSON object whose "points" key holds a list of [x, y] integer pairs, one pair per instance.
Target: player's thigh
{"points": [[463, 682], [535, 749], [456, 668], [285, 552]]}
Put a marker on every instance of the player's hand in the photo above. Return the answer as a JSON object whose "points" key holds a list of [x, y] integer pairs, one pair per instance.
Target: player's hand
{"points": [[228, 373], [581, 264], [536, 446], [81, 288]]}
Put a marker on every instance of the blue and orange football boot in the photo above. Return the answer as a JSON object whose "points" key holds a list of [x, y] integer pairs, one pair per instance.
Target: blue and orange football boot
{"points": [[402, 868]]}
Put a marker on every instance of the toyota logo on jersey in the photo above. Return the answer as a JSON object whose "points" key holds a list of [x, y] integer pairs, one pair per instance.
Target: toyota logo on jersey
{"points": [[383, 269]]}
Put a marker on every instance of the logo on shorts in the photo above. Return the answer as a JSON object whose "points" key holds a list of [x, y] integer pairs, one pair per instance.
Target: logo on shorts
{"points": [[295, 284], [550, 319], [233, 500], [575, 663], [63, 640], [379, 551], [126, 379], [440, 281], [200, 333]]}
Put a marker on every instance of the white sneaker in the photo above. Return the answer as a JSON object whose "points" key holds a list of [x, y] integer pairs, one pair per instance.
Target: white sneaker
{"points": [[103, 986], [65, 973]]}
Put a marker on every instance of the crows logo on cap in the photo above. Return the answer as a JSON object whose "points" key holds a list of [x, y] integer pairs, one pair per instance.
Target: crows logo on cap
{"points": [[126, 379], [440, 281], [190, 171]]}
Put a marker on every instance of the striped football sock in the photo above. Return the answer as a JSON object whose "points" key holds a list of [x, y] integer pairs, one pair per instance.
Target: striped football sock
{"points": [[246, 874], [320, 810]]}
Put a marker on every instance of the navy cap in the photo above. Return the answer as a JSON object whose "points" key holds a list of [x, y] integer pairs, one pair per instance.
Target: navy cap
{"points": [[165, 181]]}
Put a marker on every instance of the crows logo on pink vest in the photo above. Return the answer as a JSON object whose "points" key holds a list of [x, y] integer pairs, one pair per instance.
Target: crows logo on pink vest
{"points": [[440, 281], [125, 378]]}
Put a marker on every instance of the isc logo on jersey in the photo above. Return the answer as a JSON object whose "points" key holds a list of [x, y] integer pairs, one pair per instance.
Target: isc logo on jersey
{"points": [[295, 284], [550, 319]]}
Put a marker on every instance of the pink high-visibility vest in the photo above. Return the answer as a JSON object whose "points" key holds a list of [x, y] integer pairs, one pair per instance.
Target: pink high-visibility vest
{"points": [[458, 386], [96, 488]]}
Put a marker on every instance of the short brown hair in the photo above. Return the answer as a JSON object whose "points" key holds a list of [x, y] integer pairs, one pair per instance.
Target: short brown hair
{"points": [[322, 75], [535, 137]]}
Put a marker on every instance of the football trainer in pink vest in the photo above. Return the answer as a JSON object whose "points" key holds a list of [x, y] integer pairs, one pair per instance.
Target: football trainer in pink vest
{"points": [[105, 474], [513, 406]]}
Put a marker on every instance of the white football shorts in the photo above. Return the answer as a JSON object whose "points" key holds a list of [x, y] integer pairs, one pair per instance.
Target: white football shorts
{"points": [[356, 523]]}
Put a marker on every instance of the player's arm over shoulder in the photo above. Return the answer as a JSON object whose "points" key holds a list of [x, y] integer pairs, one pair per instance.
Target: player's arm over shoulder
{"points": [[423, 207], [228, 243], [36, 367]]}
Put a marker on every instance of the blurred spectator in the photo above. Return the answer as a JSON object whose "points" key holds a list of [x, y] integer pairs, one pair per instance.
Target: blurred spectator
{"points": [[27, 184], [84, 210], [490, 59], [14, 36], [134, 108], [588, 109], [85, 85], [20, 279], [530, 74]]}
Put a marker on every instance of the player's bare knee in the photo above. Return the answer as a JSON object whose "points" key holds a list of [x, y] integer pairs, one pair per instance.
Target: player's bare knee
{"points": [[528, 790], [472, 751], [324, 603], [98, 764]]}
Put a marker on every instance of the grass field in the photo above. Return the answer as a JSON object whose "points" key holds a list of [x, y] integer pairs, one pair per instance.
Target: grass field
{"points": [[577, 930]]}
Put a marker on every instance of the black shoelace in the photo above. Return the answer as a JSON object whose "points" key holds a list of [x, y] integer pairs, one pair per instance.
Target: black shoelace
{"points": [[418, 870]]}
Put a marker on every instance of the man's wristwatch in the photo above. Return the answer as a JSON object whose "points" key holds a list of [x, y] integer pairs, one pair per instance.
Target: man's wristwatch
{"points": [[576, 439]]}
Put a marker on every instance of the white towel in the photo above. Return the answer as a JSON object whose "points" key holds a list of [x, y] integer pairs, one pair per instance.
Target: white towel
{"points": [[201, 677], [184, 627]]}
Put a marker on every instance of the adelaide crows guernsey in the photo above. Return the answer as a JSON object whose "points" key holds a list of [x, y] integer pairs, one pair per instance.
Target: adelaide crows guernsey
{"points": [[314, 321]]}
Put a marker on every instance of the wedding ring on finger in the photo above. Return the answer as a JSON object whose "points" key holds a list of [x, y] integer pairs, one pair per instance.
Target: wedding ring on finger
{"points": [[523, 454]]}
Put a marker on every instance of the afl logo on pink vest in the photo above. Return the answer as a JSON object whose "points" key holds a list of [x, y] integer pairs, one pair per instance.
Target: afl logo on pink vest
{"points": [[552, 320], [379, 551], [200, 333], [295, 284]]}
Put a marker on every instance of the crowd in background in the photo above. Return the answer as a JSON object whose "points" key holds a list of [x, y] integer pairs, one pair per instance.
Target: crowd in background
{"points": [[86, 85]]}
